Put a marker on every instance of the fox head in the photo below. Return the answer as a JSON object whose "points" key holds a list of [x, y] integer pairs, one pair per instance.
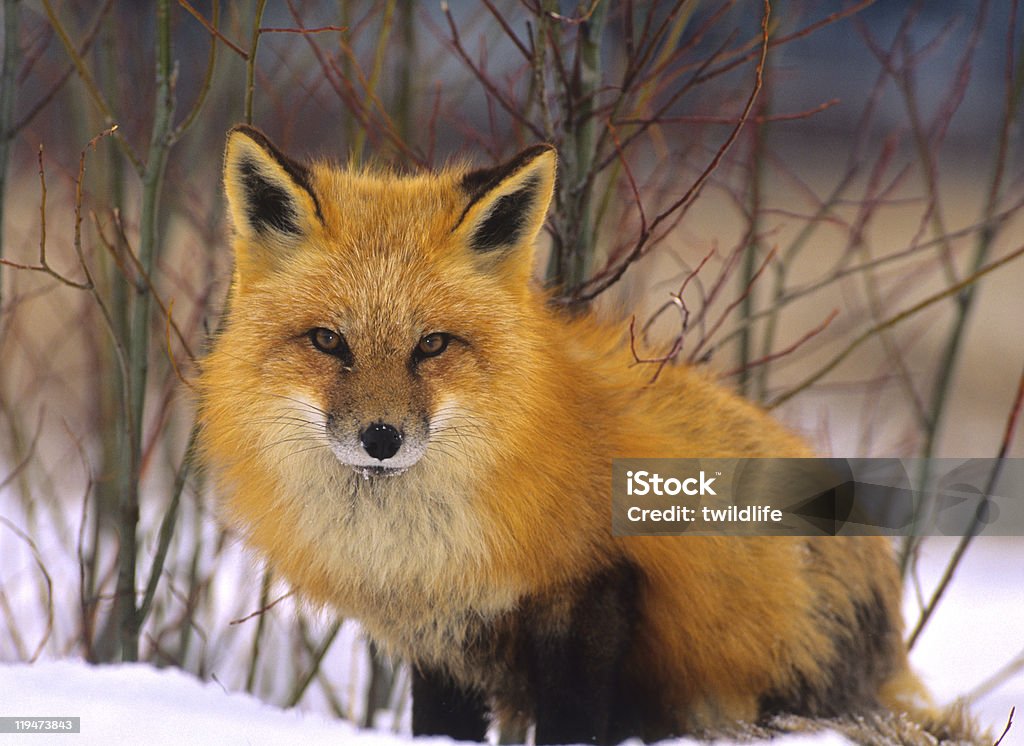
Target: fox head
{"points": [[372, 316]]}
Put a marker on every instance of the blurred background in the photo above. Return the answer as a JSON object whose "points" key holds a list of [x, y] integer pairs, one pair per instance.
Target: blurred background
{"points": [[822, 203]]}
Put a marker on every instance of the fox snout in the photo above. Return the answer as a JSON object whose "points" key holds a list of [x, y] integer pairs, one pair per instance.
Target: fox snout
{"points": [[378, 446], [381, 440]]}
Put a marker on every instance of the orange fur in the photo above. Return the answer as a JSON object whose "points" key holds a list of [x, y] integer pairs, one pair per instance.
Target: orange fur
{"points": [[510, 499]]}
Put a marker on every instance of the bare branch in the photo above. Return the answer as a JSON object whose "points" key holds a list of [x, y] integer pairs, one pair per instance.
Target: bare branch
{"points": [[609, 276], [892, 321]]}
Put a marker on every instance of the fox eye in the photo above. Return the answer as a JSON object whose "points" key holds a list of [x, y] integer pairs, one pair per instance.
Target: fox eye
{"points": [[325, 340], [330, 342], [432, 345]]}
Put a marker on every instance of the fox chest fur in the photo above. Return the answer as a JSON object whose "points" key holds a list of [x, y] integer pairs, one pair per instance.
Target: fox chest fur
{"points": [[398, 422]]}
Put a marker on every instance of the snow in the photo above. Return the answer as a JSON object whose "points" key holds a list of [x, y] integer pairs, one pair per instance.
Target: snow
{"points": [[977, 629], [138, 704]]}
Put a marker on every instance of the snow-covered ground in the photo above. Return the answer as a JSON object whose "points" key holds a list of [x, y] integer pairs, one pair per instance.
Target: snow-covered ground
{"points": [[979, 628], [137, 704]]}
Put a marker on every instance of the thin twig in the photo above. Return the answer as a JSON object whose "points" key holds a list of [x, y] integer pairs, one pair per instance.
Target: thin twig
{"points": [[787, 350], [167, 526], [91, 87], [212, 27], [263, 609], [759, 119], [751, 282], [38, 558], [359, 140], [250, 62], [492, 91], [976, 521], [314, 666], [892, 321], [207, 84], [58, 84], [1009, 724], [7, 94], [316, 30], [609, 276]]}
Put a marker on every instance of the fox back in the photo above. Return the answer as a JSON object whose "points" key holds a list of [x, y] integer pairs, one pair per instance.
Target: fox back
{"points": [[400, 423]]}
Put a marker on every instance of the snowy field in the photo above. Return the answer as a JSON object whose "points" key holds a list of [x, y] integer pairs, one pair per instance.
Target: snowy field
{"points": [[141, 705], [978, 629]]}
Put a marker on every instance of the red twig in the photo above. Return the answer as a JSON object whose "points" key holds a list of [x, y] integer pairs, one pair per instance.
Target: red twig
{"points": [[724, 274], [677, 297], [759, 119], [492, 90], [1011, 421], [609, 276], [214, 31], [786, 350], [509, 32], [735, 303], [665, 359], [47, 97], [291, 30], [263, 610], [781, 40], [629, 177]]}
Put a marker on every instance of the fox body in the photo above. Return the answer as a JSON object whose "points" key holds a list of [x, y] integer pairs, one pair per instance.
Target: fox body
{"points": [[403, 426]]}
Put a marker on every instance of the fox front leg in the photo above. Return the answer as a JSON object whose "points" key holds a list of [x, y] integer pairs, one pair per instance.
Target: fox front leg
{"points": [[576, 669], [441, 707]]}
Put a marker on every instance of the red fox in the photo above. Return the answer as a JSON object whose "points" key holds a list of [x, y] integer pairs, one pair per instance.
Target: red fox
{"points": [[399, 421]]}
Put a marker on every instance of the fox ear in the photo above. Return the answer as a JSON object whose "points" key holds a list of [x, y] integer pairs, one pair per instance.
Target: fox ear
{"points": [[507, 205], [270, 198]]}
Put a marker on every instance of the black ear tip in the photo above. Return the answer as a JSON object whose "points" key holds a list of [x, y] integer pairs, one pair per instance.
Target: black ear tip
{"points": [[529, 154], [259, 137], [479, 182], [246, 129], [539, 148]]}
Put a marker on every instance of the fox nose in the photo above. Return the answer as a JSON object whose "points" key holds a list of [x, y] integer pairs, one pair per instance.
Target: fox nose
{"points": [[381, 441]]}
